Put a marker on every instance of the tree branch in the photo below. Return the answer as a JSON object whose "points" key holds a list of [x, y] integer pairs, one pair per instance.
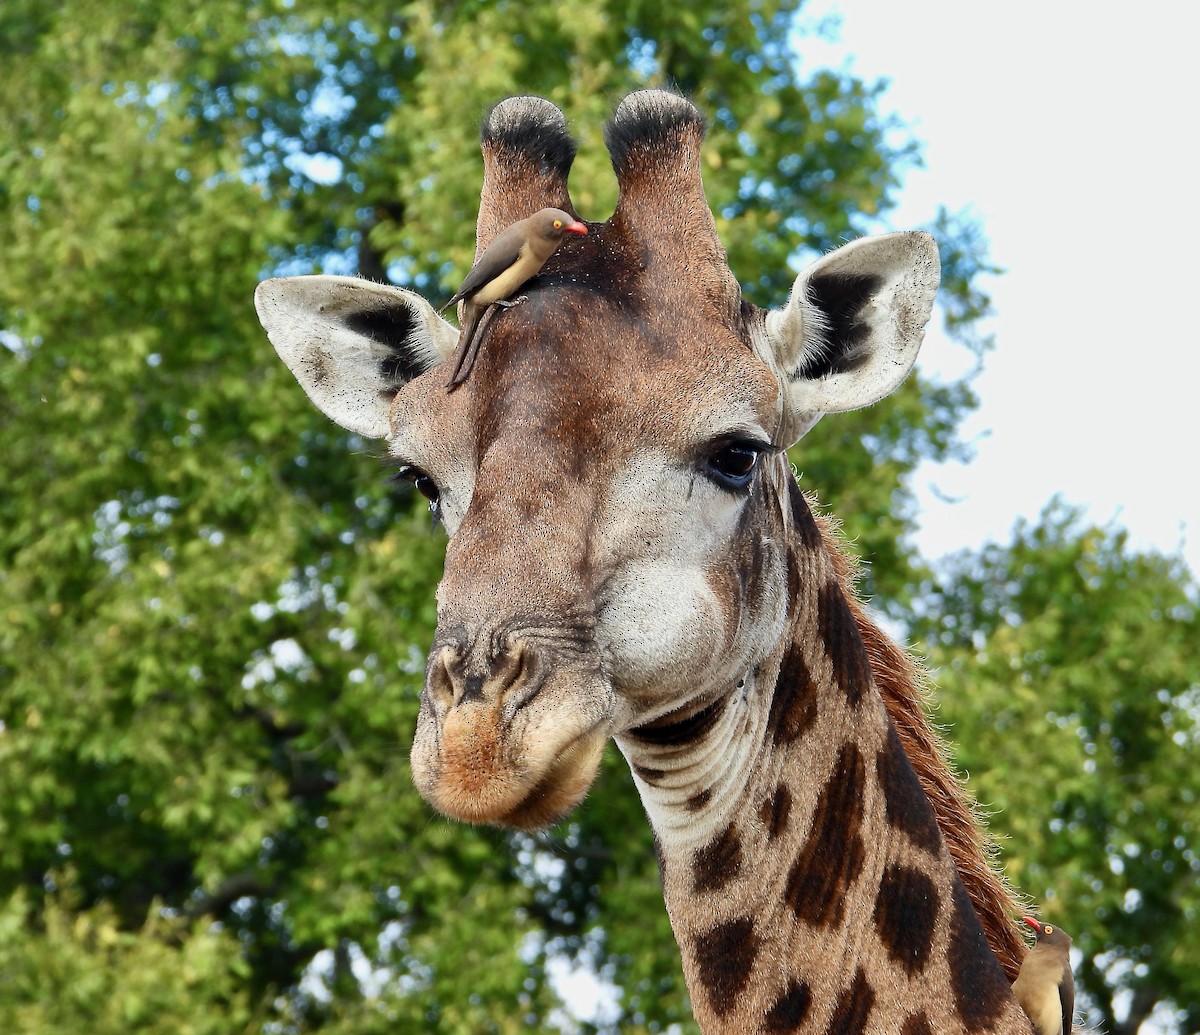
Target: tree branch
{"points": [[216, 904]]}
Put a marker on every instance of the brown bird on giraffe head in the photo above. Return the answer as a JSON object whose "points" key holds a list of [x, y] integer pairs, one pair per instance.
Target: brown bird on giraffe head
{"points": [[516, 255], [1045, 987]]}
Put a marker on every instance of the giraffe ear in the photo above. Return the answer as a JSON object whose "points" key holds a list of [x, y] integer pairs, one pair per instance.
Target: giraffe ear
{"points": [[352, 343], [852, 327]]}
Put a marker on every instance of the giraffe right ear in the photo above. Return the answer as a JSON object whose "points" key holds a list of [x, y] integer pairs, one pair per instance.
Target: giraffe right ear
{"points": [[852, 328], [352, 343]]}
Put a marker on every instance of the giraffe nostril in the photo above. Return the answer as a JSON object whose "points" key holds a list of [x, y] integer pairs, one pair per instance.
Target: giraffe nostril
{"points": [[462, 674], [443, 674]]}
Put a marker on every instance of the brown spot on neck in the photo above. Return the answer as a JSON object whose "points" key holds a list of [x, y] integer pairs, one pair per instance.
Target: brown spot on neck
{"points": [[917, 1024], [908, 809], [725, 957], [804, 525], [789, 1010], [843, 643], [832, 858], [718, 862], [980, 989], [671, 732], [648, 775], [906, 914], [794, 702], [775, 811], [853, 1007]]}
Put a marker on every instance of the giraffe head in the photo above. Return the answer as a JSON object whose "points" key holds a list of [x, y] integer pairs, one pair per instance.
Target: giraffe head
{"points": [[612, 472]]}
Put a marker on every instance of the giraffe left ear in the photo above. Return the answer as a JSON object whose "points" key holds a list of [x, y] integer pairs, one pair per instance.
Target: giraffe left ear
{"points": [[852, 328], [352, 343]]}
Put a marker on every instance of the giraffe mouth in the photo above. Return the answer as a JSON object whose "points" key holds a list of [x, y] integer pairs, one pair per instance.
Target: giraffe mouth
{"points": [[562, 786], [478, 770]]}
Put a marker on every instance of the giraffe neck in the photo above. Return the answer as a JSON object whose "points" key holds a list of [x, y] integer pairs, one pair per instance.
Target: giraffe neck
{"points": [[803, 868]]}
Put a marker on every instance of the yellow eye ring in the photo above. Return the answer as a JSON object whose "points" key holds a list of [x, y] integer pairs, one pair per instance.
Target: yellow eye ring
{"points": [[1048, 929], [558, 224]]}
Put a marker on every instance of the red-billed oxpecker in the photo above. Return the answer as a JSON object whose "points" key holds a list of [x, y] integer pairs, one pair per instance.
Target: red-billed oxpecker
{"points": [[515, 256], [1045, 987]]}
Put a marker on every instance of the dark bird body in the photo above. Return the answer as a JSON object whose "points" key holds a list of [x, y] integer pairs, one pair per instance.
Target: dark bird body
{"points": [[1045, 987], [516, 255]]}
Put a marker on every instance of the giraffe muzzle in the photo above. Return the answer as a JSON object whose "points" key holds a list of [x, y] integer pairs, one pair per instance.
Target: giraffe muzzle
{"points": [[509, 733]]}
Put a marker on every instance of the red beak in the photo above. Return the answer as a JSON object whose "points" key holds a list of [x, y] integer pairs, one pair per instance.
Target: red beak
{"points": [[576, 228], [1032, 923]]}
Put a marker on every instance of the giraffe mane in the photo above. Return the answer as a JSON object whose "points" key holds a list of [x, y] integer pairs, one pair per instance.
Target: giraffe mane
{"points": [[904, 687]]}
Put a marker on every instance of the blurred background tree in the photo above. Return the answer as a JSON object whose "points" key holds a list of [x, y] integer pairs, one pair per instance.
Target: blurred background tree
{"points": [[1068, 667], [213, 607]]}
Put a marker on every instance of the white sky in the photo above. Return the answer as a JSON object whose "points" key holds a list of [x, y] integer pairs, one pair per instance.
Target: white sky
{"points": [[1071, 130]]}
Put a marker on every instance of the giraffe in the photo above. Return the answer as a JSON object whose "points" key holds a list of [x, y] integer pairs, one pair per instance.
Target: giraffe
{"points": [[630, 557]]}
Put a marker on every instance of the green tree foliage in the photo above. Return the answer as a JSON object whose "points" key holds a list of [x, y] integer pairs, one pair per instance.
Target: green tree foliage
{"points": [[213, 607], [1069, 668]]}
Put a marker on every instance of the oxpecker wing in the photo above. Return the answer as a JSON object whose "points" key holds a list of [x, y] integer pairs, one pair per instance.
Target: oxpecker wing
{"points": [[1045, 987], [516, 255]]}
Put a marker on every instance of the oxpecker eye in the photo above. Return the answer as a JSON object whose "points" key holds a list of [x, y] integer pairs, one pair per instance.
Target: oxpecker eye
{"points": [[1049, 929], [558, 224], [732, 464]]}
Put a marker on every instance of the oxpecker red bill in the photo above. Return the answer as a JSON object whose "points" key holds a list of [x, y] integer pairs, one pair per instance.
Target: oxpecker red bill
{"points": [[516, 255]]}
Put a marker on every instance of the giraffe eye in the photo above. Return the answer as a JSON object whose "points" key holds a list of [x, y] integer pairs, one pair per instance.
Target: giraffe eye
{"points": [[732, 464], [420, 481], [426, 487]]}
